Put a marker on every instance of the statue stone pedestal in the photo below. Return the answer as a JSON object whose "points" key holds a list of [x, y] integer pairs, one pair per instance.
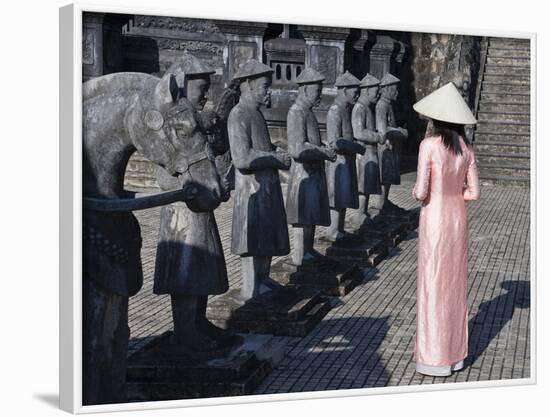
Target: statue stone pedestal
{"points": [[288, 311], [409, 217], [155, 374], [354, 248], [331, 277], [393, 224]]}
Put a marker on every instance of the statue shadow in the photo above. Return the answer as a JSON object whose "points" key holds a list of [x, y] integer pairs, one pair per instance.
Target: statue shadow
{"points": [[393, 252], [493, 316], [342, 354]]}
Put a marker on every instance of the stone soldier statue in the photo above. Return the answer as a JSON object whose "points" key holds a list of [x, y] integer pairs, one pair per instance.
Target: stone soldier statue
{"points": [[364, 130], [259, 229], [307, 197], [190, 264], [342, 174], [389, 151]]}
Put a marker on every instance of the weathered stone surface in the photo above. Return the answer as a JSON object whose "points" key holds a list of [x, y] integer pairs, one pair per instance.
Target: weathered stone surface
{"points": [[156, 374], [283, 312], [353, 248], [331, 277], [502, 142]]}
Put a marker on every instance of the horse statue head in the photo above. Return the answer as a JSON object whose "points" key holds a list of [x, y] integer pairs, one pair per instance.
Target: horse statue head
{"points": [[175, 134]]}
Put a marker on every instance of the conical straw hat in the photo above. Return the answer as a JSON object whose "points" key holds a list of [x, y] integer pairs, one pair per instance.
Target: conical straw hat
{"points": [[369, 81], [446, 104], [310, 76], [347, 79], [251, 69], [389, 79]]}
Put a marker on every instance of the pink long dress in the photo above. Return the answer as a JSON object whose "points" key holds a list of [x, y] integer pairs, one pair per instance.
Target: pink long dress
{"points": [[441, 308]]}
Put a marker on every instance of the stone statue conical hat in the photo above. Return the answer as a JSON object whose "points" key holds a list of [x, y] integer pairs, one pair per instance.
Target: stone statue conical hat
{"points": [[310, 76], [189, 65], [389, 79], [347, 80], [186, 66], [446, 104], [252, 69], [369, 81]]}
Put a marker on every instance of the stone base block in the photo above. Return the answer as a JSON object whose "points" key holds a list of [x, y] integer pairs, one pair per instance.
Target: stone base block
{"points": [[365, 250], [289, 311], [155, 374], [391, 226], [390, 233], [409, 218], [331, 277]]}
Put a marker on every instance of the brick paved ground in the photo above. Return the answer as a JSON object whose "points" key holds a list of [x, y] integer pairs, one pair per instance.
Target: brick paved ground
{"points": [[367, 339]]}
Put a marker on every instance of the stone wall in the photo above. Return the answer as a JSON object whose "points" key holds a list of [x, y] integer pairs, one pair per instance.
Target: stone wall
{"points": [[437, 59]]}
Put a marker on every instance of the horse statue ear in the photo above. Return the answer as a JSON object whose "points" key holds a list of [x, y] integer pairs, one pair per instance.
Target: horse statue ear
{"points": [[166, 91], [164, 96]]}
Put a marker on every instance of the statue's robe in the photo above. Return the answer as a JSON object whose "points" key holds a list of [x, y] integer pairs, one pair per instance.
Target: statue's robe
{"points": [[307, 194]]}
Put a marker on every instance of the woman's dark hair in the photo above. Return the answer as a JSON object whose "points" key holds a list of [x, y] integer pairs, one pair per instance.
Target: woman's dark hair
{"points": [[449, 133]]}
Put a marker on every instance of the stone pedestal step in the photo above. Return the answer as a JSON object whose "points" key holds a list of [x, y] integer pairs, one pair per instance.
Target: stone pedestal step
{"points": [[510, 138], [521, 159], [513, 62], [157, 373], [288, 311], [355, 249], [493, 117], [502, 134], [503, 180], [499, 98], [509, 43], [502, 88], [503, 127], [502, 170], [501, 147], [331, 277], [487, 107], [507, 70], [507, 79], [508, 53]]}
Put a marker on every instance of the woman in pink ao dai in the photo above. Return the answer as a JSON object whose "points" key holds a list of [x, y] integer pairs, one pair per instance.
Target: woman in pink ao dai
{"points": [[445, 160]]}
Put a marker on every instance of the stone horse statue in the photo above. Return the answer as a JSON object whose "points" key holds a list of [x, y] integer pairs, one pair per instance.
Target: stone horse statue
{"points": [[122, 113]]}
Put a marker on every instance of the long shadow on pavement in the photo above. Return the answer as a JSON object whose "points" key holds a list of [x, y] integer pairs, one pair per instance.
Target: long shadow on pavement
{"points": [[493, 316], [340, 354]]}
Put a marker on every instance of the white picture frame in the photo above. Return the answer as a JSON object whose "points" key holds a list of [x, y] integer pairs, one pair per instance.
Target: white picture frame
{"points": [[71, 208]]}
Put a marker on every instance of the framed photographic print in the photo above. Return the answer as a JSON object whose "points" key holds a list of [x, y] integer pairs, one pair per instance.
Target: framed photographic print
{"points": [[277, 210]]}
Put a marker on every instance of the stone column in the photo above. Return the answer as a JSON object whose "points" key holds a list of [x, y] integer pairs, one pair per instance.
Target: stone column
{"points": [[102, 49], [92, 45], [325, 48], [380, 54], [244, 41]]}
